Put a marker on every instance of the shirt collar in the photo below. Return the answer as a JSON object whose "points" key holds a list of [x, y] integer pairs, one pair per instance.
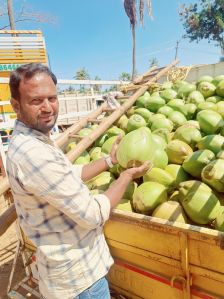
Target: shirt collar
{"points": [[20, 127]]}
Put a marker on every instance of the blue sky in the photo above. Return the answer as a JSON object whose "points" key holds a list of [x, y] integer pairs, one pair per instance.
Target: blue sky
{"points": [[96, 34]]}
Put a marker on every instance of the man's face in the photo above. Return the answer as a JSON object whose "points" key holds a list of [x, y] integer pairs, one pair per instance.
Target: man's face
{"points": [[38, 105]]}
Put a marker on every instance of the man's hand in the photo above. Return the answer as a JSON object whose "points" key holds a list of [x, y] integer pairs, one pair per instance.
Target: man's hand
{"points": [[137, 172], [114, 150]]}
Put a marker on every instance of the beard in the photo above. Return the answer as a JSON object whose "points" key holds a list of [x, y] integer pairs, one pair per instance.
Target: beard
{"points": [[43, 122]]}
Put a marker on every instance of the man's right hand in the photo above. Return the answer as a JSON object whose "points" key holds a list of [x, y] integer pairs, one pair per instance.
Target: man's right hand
{"points": [[137, 172]]}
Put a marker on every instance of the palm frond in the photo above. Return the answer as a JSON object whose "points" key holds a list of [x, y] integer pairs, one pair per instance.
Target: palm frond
{"points": [[141, 11], [130, 9], [149, 8]]}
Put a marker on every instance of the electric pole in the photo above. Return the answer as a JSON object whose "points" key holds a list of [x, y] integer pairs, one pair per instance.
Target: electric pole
{"points": [[176, 51]]}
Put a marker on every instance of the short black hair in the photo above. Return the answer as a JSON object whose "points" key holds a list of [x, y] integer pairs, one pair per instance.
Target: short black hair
{"points": [[27, 71]]}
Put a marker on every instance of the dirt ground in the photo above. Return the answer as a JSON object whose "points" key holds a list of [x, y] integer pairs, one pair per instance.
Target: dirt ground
{"points": [[7, 251]]}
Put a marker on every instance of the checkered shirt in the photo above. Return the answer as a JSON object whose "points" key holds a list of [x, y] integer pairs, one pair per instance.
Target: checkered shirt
{"points": [[58, 214]]}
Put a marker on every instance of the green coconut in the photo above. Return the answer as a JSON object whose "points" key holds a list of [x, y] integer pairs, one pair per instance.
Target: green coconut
{"points": [[177, 118], [108, 144], [164, 133], [210, 121], [188, 134], [207, 89], [165, 110], [122, 122], [219, 220], [160, 176], [178, 84], [101, 140], [200, 204], [168, 94], [174, 196], [101, 181], [213, 174], [155, 117], [167, 84], [220, 155], [176, 104], [160, 158], [135, 148], [159, 141], [124, 205], [162, 123], [193, 123], [95, 153], [85, 132], [214, 143], [185, 90], [115, 131], [132, 186], [145, 113], [214, 99], [171, 211], [220, 108], [204, 78], [220, 89], [178, 151], [195, 162], [131, 111], [148, 196], [154, 103], [178, 173], [207, 106], [70, 146], [116, 170], [136, 121], [84, 158], [189, 110], [142, 100], [218, 79]]}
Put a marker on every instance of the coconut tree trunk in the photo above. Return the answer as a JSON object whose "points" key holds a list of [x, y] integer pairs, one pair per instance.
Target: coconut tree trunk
{"points": [[133, 53], [11, 14]]}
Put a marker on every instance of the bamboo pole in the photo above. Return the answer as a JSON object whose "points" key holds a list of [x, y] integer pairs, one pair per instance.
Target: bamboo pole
{"points": [[107, 122], [64, 137], [7, 218]]}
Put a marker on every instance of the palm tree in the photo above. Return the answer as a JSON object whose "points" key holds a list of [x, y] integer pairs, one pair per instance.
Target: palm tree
{"points": [[82, 74], [130, 9]]}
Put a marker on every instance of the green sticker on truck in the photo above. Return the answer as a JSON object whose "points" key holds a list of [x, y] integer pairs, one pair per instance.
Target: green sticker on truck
{"points": [[8, 67]]}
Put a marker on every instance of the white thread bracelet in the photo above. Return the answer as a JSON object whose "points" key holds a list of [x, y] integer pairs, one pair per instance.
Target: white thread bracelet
{"points": [[109, 161]]}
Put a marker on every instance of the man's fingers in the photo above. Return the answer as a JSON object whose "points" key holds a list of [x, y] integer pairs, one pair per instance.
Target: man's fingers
{"points": [[147, 165], [119, 137]]}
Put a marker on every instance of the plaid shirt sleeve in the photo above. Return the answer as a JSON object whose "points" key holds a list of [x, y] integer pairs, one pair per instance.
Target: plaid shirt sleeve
{"points": [[50, 176]]}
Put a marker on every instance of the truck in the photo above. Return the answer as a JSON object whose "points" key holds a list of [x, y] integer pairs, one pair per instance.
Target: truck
{"points": [[154, 258]]}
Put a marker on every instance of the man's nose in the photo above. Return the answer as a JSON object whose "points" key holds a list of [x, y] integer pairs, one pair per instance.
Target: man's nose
{"points": [[46, 105]]}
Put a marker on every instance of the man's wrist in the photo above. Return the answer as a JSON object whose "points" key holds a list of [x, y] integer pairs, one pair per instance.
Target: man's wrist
{"points": [[108, 161]]}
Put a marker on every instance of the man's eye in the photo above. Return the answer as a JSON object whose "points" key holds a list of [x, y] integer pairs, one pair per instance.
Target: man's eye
{"points": [[35, 101], [52, 99]]}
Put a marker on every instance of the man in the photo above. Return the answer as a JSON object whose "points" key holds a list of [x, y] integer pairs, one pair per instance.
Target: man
{"points": [[54, 207]]}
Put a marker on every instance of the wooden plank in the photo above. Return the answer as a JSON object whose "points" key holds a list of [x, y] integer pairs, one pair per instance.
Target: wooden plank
{"points": [[21, 32], [16, 39]]}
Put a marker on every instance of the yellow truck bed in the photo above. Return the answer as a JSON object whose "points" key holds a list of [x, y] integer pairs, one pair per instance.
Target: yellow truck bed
{"points": [[155, 258]]}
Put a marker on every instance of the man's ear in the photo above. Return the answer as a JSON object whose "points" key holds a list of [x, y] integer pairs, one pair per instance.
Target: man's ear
{"points": [[15, 105]]}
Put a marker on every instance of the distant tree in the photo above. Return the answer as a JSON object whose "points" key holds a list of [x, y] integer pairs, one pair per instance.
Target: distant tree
{"points": [[153, 62], [97, 87], [112, 88], [125, 77], [82, 74], [23, 14], [204, 20], [130, 9]]}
